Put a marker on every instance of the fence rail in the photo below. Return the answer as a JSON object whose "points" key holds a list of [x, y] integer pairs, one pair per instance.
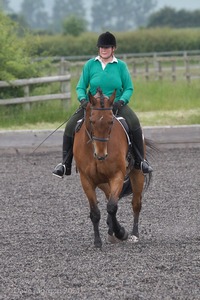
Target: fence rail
{"points": [[64, 94], [155, 67]]}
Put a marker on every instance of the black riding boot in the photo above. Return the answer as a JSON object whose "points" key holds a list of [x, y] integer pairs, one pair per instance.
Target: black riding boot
{"points": [[138, 151], [64, 168]]}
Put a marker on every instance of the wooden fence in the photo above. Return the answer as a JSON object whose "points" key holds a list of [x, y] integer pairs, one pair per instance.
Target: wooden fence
{"points": [[64, 95], [155, 68], [149, 67], [172, 68]]}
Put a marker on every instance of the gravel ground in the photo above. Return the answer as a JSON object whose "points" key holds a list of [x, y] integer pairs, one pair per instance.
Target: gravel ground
{"points": [[46, 238]]}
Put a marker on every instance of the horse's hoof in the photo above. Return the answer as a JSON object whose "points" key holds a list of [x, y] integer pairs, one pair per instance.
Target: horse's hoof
{"points": [[98, 244], [134, 239], [113, 239], [125, 237], [122, 235]]}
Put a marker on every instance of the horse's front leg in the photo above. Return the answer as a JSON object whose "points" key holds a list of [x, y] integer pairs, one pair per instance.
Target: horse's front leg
{"points": [[114, 226], [95, 215], [95, 218], [112, 207]]}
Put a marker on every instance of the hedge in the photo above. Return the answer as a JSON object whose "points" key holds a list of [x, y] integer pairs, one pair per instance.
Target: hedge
{"points": [[139, 41]]}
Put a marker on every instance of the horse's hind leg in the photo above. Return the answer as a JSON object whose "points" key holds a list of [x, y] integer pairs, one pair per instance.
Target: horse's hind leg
{"points": [[137, 182]]}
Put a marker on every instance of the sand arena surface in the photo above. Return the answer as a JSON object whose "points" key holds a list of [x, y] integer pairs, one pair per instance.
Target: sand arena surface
{"points": [[46, 238]]}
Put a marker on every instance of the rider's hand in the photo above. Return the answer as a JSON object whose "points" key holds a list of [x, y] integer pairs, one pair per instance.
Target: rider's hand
{"points": [[117, 105], [84, 103]]}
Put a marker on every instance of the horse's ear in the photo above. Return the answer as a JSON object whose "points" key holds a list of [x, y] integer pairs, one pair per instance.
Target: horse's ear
{"points": [[112, 97], [92, 99]]}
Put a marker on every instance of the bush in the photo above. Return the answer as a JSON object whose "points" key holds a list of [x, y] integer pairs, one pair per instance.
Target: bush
{"points": [[139, 41], [74, 26], [16, 56]]}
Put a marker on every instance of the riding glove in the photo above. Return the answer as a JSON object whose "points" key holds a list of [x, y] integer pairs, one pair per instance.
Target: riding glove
{"points": [[117, 105], [84, 103]]}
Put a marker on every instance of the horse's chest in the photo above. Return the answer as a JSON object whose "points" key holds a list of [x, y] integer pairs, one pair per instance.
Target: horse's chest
{"points": [[99, 172]]}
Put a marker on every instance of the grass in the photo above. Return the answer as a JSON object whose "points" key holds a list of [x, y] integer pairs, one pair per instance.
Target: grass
{"points": [[157, 103]]}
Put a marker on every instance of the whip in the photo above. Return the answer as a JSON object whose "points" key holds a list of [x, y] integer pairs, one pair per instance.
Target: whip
{"points": [[50, 135]]}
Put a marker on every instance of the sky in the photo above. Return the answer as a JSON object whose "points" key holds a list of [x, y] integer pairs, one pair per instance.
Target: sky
{"points": [[177, 4]]}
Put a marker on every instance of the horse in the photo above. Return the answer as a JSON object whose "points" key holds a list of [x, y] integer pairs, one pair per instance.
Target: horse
{"points": [[100, 152]]}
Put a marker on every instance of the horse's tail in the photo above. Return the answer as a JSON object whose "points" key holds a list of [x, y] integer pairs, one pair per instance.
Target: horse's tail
{"points": [[151, 149]]}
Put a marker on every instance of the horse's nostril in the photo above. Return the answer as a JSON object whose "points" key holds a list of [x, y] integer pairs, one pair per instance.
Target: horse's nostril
{"points": [[100, 157]]}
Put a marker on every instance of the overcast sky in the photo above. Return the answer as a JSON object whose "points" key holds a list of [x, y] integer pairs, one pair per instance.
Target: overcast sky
{"points": [[177, 4]]}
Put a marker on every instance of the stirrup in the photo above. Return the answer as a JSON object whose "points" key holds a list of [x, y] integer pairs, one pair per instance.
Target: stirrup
{"points": [[145, 167], [59, 170]]}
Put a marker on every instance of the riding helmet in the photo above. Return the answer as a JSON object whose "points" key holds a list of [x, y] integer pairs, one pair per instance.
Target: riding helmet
{"points": [[106, 39]]}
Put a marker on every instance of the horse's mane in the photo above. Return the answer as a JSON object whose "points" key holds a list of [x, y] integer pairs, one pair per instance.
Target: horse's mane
{"points": [[99, 90]]}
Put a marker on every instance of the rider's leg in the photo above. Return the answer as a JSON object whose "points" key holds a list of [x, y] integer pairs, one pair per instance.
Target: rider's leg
{"points": [[136, 138], [64, 168]]}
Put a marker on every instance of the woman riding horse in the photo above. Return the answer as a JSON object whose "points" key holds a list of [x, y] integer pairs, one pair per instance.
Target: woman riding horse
{"points": [[109, 73]]}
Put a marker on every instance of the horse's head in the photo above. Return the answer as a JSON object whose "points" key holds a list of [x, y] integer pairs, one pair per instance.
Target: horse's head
{"points": [[101, 120]]}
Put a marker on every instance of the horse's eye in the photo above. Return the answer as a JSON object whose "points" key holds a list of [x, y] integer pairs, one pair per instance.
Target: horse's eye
{"points": [[110, 122]]}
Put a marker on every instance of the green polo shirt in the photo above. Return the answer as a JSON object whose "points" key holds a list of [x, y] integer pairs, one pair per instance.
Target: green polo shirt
{"points": [[115, 75]]}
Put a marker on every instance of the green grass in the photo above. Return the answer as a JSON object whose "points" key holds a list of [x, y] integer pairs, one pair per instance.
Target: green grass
{"points": [[155, 102]]}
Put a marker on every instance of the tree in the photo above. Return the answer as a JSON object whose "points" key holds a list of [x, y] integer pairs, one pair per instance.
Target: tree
{"points": [[15, 53], [63, 9], [120, 15], [4, 6], [101, 12], [170, 17], [164, 17], [22, 25], [142, 10], [16, 57], [74, 25], [35, 14]]}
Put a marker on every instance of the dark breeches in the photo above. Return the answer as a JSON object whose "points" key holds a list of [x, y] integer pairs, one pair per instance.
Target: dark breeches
{"points": [[71, 124], [128, 114]]}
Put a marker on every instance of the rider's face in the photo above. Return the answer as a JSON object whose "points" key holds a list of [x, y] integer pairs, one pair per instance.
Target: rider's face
{"points": [[106, 52]]}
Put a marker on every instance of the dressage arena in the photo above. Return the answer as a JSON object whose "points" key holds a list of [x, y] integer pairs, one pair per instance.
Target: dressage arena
{"points": [[46, 238]]}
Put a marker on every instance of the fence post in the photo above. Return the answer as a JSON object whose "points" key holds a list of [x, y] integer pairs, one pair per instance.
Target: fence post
{"points": [[65, 85], [173, 70], [187, 65], [159, 70], [146, 69], [27, 105], [134, 69]]}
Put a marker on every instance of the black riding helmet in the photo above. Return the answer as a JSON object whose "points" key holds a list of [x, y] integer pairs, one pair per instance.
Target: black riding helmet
{"points": [[106, 40]]}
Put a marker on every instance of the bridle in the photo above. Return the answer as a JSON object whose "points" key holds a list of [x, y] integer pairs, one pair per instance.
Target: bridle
{"points": [[95, 138], [89, 132]]}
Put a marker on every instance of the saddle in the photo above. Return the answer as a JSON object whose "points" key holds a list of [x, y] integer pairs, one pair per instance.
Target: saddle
{"points": [[124, 125], [79, 124]]}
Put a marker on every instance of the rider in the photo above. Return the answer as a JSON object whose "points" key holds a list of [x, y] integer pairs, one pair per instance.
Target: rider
{"points": [[108, 73]]}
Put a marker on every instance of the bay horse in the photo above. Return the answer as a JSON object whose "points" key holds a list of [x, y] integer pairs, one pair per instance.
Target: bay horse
{"points": [[100, 152]]}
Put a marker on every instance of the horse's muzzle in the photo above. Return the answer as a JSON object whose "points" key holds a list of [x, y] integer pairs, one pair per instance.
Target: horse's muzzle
{"points": [[100, 157]]}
